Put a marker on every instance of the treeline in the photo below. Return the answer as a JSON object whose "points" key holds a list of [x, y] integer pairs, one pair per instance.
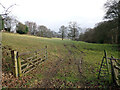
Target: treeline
{"points": [[106, 31], [11, 24], [71, 31], [33, 29], [103, 32]]}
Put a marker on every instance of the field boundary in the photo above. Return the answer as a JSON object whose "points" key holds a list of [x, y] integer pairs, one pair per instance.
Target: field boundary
{"points": [[27, 61], [113, 68]]}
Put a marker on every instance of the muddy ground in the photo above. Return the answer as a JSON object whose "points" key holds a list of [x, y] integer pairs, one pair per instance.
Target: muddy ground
{"points": [[46, 74]]}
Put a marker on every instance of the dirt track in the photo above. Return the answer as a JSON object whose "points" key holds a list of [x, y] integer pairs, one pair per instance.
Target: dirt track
{"points": [[49, 71]]}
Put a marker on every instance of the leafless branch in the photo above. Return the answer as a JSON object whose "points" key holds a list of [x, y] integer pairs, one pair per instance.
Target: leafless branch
{"points": [[6, 12], [2, 5], [9, 8]]}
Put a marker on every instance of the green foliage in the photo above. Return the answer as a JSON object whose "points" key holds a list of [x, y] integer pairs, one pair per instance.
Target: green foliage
{"points": [[21, 28], [1, 23], [26, 30]]}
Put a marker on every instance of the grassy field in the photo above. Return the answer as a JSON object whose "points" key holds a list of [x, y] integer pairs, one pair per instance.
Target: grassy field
{"points": [[63, 68]]}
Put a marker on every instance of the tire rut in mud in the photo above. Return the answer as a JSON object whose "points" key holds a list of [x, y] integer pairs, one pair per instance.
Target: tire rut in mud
{"points": [[78, 61], [48, 82]]}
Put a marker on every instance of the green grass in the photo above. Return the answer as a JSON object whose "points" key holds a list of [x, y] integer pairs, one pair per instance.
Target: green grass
{"points": [[91, 56]]}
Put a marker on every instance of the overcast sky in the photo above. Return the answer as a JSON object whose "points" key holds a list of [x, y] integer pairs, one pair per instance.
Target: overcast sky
{"points": [[54, 13]]}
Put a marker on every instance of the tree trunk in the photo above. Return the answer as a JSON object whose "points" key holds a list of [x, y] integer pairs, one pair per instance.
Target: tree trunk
{"points": [[74, 35], [112, 39], [116, 38]]}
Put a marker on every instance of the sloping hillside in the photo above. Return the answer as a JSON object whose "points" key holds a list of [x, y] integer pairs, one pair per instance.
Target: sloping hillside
{"points": [[70, 64]]}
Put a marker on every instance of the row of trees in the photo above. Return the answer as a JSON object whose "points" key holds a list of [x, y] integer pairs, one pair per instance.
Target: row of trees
{"points": [[106, 31], [40, 30], [71, 31], [103, 32], [11, 24]]}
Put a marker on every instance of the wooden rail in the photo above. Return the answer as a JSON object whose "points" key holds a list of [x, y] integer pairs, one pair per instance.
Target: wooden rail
{"points": [[25, 62], [115, 68]]}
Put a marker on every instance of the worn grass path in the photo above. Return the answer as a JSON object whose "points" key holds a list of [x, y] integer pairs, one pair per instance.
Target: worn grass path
{"points": [[60, 73]]}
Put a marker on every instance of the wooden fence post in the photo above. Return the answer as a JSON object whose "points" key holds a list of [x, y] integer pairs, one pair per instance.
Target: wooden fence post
{"points": [[112, 72], [14, 60], [106, 61], [116, 72], [19, 65], [101, 67]]}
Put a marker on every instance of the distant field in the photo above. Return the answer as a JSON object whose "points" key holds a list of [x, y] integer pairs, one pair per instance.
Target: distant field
{"points": [[62, 67]]}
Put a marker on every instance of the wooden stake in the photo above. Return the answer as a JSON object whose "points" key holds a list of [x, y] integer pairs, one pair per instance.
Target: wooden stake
{"points": [[14, 59], [101, 67], [116, 72], [19, 65], [106, 61], [112, 72]]}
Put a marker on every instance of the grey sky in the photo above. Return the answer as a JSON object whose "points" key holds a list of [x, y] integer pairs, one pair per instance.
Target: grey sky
{"points": [[54, 13]]}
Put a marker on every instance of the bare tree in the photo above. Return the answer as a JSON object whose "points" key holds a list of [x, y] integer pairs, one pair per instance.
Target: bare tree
{"points": [[112, 8], [32, 26], [63, 31], [7, 10], [5, 16], [42, 30], [10, 23], [73, 30]]}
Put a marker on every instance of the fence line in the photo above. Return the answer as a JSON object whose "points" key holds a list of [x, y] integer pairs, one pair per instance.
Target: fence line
{"points": [[25, 62], [113, 72]]}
